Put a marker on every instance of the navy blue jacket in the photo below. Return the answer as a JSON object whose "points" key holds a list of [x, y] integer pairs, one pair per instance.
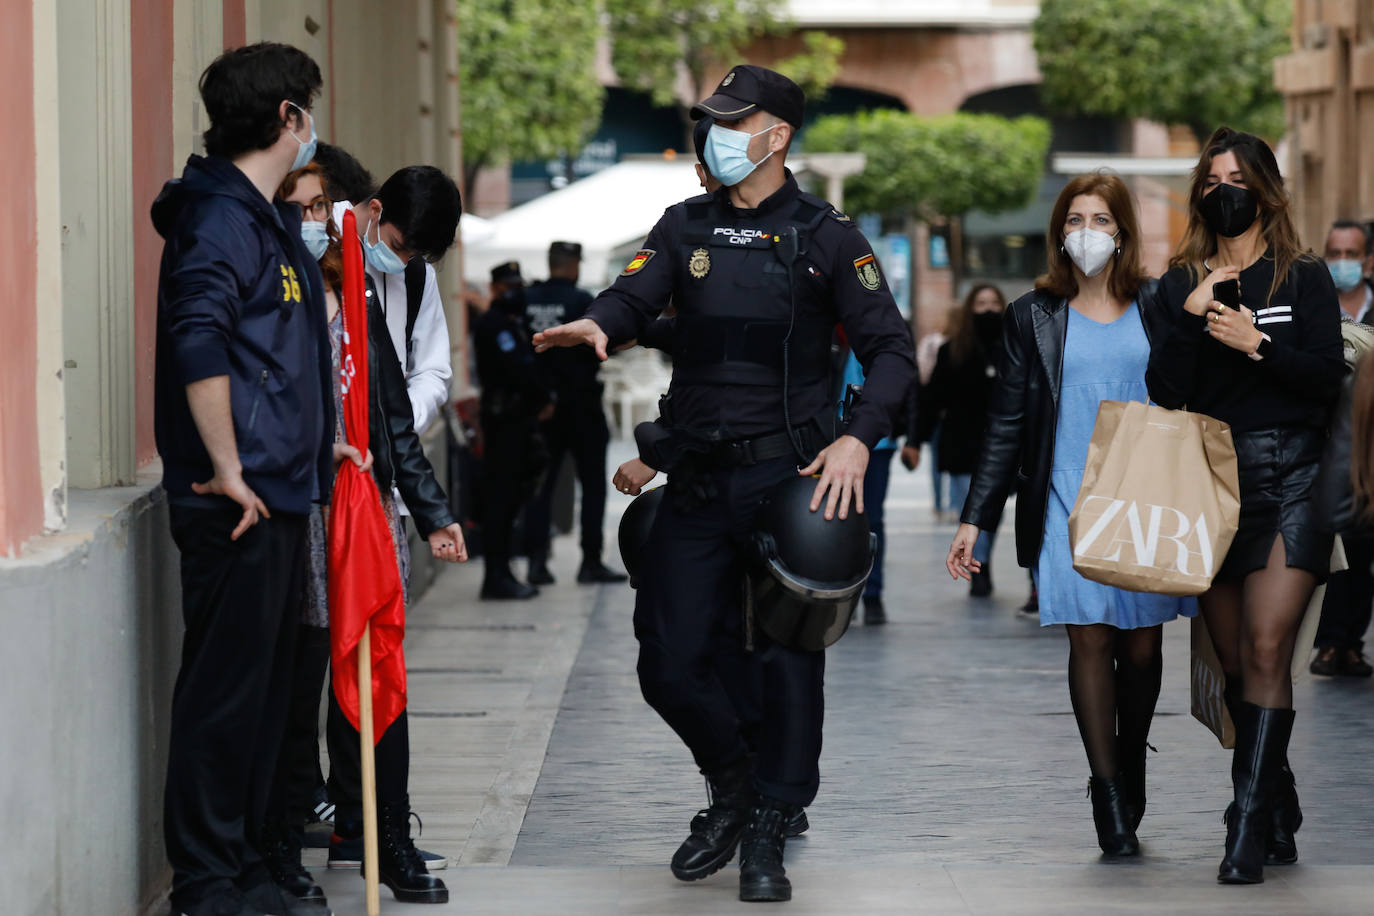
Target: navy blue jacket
{"points": [[239, 295]]}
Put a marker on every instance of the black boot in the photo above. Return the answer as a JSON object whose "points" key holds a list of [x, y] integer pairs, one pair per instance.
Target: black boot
{"points": [[716, 829], [594, 572], [280, 847], [1285, 819], [980, 585], [1112, 817], [539, 572], [400, 865], [1130, 756], [499, 586], [761, 875], [1261, 745], [875, 614]]}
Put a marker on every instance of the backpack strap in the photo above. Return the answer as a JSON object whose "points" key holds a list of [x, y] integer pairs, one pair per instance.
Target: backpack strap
{"points": [[415, 293]]}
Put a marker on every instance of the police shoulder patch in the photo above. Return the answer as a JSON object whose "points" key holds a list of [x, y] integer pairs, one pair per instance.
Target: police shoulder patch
{"points": [[642, 257], [506, 341], [839, 217], [867, 269]]}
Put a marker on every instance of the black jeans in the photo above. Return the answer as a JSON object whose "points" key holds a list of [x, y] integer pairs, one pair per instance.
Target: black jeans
{"points": [[1349, 598], [241, 602], [578, 428], [695, 576], [392, 754]]}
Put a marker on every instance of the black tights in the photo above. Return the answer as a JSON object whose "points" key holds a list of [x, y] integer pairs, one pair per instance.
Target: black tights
{"points": [[1114, 680], [1254, 626]]}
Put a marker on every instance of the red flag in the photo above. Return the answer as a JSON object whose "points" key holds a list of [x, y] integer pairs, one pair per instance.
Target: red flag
{"points": [[364, 578]]}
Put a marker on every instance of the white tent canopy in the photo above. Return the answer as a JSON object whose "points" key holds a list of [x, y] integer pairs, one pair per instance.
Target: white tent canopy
{"points": [[609, 213]]}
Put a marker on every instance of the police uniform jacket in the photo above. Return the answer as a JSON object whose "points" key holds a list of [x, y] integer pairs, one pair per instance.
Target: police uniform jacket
{"points": [[511, 382], [725, 270], [572, 372]]}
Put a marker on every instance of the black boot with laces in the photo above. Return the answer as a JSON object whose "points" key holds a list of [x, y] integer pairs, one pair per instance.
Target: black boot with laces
{"points": [[401, 867], [716, 829], [762, 877], [280, 847]]}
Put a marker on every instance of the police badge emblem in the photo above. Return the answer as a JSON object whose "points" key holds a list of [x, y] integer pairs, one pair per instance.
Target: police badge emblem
{"points": [[867, 269], [699, 265], [728, 79]]}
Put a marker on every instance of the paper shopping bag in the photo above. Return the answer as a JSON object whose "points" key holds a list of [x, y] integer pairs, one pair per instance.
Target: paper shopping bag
{"points": [[1160, 500], [1209, 686]]}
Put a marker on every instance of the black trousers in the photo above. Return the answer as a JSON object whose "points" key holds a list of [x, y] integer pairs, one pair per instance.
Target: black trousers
{"points": [[392, 755], [241, 602], [298, 769], [578, 428], [509, 446], [695, 579], [1349, 598]]}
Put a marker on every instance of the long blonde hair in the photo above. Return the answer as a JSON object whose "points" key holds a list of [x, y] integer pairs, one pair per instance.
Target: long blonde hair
{"points": [[1261, 173]]}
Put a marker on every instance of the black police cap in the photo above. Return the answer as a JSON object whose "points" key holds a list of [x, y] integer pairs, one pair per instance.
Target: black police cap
{"points": [[508, 272], [566, 249], [748, 88]]}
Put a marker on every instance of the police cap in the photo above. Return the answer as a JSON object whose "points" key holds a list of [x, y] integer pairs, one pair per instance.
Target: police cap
{"points": [[566, 250], [748, 88], [508, 272]]}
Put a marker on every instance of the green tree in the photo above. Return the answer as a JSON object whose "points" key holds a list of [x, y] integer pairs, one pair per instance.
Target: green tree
{"points": [[529, 84], [1175, 61], [654, 41], [933, 167]]}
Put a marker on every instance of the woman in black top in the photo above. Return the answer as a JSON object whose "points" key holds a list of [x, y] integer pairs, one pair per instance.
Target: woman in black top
{"points": [[1272, 369], [955, 401]]}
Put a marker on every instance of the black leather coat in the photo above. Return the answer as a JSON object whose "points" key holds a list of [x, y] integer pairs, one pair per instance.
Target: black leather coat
{"points": [[398, 459], [1023, 414]]}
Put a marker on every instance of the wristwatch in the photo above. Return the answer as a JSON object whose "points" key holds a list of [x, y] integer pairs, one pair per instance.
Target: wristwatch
{"points": [[1265, 348]]}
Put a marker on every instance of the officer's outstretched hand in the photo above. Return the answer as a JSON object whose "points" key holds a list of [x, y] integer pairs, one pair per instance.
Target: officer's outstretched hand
{"points": [[581, 331], [841, 466]]}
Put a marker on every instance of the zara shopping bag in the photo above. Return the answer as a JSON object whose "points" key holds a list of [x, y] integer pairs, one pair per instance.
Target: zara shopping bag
{"points": [[1160, 500]]}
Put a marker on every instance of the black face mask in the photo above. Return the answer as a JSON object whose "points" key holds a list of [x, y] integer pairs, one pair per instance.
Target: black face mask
{"points": [[1230, 210], [988, 326]]}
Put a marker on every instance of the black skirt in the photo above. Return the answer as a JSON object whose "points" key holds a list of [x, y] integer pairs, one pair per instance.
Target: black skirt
{"points": [[1277, 467]]}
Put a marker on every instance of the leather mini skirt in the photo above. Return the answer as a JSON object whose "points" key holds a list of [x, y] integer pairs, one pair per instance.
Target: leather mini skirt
{"points": [[1277, 467]]}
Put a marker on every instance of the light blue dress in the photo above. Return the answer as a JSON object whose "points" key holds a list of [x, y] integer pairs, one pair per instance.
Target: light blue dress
{"points": [[1102, 362]]}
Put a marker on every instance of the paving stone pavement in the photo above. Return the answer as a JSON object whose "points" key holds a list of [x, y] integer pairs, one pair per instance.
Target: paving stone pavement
{"points": [[952, 778]]}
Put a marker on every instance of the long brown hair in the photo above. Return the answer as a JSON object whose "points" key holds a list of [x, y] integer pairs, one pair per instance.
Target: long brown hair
{"points": [[1260, 170], [1362, 438], [331, 262], [1126, 272], [963, 337]]}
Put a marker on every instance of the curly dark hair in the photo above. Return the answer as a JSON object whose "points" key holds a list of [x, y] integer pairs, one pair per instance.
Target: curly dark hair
{"points": [[243, 90]]}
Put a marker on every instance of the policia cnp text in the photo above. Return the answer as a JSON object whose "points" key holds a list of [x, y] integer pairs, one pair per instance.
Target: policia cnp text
{"points": [[760, 274]]}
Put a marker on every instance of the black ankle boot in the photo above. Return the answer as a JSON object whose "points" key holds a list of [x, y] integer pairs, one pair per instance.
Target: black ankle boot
{"points": [[1284, 821], [1261, 746], [400, 865], [1112, 817], [1130, 755], [716, 829], [761, 875], [281, 854]]}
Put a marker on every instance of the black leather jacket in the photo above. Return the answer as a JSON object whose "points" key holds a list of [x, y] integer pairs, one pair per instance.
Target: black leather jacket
{"points": [[1023, 414], [398, 459]]}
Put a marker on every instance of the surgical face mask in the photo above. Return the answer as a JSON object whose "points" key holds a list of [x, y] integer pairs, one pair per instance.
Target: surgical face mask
{"points": [[1090, 249], [1229, 210], [381, 257], [307, 147], [727, 154], [316, 238], [1345, 273]]}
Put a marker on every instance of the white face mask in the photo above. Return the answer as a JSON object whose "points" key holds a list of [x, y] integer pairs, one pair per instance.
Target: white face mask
{"points": [[1090, 249]]}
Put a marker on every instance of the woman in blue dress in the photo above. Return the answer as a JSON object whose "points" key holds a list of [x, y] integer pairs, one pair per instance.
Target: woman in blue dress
{"points": [[1082, 336]]}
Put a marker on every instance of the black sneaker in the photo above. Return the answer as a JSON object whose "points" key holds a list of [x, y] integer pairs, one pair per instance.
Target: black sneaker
{"points": [[347, 852]]}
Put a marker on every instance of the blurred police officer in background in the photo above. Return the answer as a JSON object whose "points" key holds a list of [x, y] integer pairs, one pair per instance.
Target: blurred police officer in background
{"points": [[514, 402], [760, 274], [578, 426]]}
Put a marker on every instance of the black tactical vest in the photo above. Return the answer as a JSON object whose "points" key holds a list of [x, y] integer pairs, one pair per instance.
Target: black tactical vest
{"points": [[734, 304]]}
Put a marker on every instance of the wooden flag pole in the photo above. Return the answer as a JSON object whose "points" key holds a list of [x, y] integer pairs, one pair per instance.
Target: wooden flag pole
{"points": [[369, 760]]}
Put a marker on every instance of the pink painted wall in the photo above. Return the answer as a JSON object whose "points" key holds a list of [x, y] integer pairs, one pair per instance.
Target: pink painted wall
{"points": [[21, 487], [235, 24], [151, 26]]}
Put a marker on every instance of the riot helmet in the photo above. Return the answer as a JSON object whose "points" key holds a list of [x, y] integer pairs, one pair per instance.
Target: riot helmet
{"points": [[635, 525], [808, 572]]}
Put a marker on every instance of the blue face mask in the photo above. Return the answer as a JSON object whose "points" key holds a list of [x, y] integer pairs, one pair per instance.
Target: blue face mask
{"points": [[1345, 273], [381, 257], [727, 154], [316, 238], [307, 147]]}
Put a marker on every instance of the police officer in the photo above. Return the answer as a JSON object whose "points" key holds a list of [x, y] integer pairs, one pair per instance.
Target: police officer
{"points": [[514, 401], [578, 425], [760, 274]]}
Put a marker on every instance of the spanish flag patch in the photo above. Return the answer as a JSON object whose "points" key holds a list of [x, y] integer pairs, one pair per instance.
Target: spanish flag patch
{"points": [[642, 257]]}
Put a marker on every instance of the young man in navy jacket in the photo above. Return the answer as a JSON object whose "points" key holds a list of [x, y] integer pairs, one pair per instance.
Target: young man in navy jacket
{"points": [[244, 422]]}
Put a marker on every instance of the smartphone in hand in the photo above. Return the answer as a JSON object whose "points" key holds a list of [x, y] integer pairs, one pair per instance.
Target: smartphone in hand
{"points": [[1227, 292]]}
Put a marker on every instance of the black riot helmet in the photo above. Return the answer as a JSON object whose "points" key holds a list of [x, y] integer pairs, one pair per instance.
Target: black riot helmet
{"points": [[809, 572], [634, 531]]}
